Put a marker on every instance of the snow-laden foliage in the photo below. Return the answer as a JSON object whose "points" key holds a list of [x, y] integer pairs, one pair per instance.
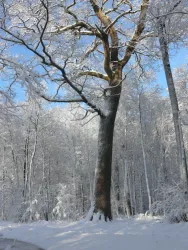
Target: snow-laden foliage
{"points": [[173, 203], [64, 208], [62, 174]]}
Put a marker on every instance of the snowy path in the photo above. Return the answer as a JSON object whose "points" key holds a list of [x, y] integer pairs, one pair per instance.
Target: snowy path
{"points": [[134, 234]]}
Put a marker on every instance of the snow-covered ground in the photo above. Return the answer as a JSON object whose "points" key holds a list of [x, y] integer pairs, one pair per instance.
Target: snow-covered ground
{"points": [[141, 233]]}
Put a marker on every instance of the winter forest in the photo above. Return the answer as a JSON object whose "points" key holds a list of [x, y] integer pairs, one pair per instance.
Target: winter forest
{"points": [[87, 128]]}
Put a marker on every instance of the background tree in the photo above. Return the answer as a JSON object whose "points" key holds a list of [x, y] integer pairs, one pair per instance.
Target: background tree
{"points": [[166, 15]]}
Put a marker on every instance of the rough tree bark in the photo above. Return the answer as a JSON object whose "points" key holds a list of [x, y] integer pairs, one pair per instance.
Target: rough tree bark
{"points": [[102, 200], [102, 204]]}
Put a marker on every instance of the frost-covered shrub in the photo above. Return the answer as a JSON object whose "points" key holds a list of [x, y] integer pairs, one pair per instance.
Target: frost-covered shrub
{"points": [[36, 209], [31, 213], [172, 204], [65, 208]]}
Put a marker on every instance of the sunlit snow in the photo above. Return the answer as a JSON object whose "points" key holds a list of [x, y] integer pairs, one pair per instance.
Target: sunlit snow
{"points": [[143, 233]]}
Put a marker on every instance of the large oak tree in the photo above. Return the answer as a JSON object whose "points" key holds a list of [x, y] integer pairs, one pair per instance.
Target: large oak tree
{"points": [[64, 43]]}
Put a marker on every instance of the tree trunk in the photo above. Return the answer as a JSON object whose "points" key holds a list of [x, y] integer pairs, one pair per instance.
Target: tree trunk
{"points": [[102, 196], [174, 105], [141, 207], [127, 197], [144, 156], [3, 186], [32, 160], [25, 168], [163, 173], [126, 192], [117, 188]]}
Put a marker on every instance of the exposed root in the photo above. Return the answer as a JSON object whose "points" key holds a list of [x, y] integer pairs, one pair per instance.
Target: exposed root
{"points": [[99, 216]]}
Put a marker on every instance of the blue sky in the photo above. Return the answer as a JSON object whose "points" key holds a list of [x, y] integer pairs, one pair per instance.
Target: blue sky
{"points": [[177, 58]]}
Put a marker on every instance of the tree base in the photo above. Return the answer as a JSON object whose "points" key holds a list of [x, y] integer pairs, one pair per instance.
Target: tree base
{"points": [[98, 215]]}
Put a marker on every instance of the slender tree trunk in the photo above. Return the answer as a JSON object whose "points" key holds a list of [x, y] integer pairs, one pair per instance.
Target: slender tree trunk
{"points": [[118, 189], [144, 155], [131, 185], [14, 158], [134, 191], [141, 194], [32, 159], [102, 196], [82, 199], [25, 168], [163, 173], [26, 165], [3, 186], [48, 192], [174, 105], [163, 164], [127, 197]]}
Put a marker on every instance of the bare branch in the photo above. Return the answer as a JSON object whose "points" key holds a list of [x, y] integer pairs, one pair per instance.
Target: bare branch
{"points": [[172, 13], [47, 98], [118, 17], [51, 62], [92, 49], [67, 10], [118, 5], [113, 35], [107, 55], [95, 74], [137, 33], [89, 120], [89, 29]]}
